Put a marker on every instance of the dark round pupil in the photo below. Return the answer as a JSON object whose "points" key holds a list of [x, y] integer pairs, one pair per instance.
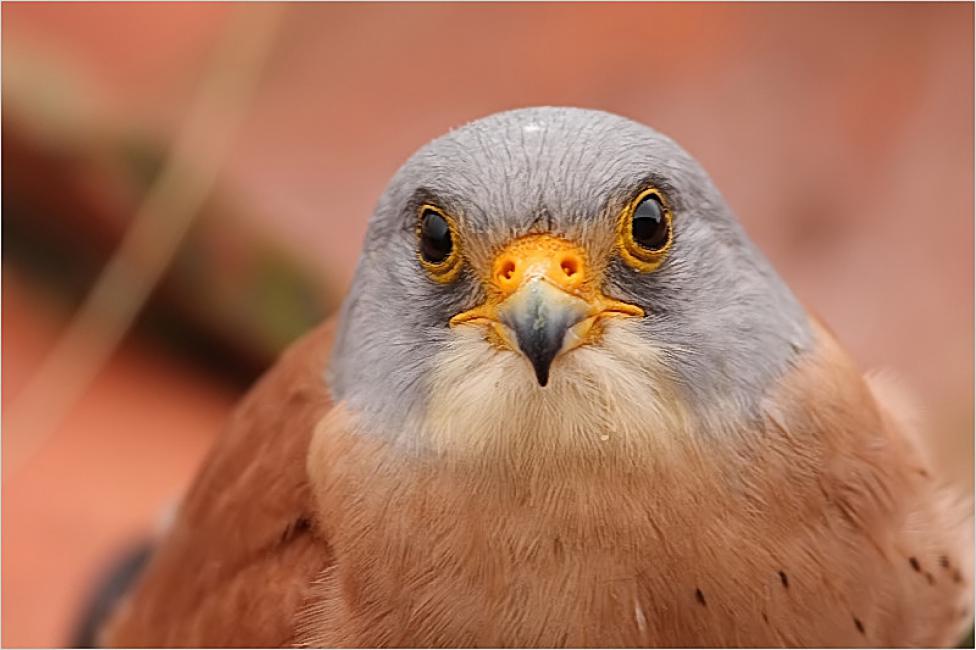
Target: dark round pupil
{"points": [[435, 237], [649, 226]]}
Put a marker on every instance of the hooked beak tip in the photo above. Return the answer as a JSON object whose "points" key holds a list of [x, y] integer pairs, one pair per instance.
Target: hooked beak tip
{"points": [[542, 302], [541, 358], [537, 320], [540, 316], [542, 374]]}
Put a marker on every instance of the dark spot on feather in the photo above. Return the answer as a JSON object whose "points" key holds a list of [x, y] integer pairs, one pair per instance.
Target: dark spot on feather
{"points": [[557, 547], [784, 580], [765, 618], [923, 473], [295, 528], [915, 565], [943, 561], [930, 578], [956, 576], [859, 625], [700, 597]]}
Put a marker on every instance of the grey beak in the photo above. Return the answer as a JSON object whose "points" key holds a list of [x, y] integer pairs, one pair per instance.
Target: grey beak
{"points": [[540, 315]]}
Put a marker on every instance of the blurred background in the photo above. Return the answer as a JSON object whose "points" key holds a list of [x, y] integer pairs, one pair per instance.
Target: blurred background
{"points": [[186, 187]]}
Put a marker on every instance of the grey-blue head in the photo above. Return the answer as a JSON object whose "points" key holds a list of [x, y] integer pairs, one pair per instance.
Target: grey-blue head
{"points": [[536, 251]]}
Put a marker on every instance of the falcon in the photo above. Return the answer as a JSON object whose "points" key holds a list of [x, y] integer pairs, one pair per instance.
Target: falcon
{"points": [[567, 402]]}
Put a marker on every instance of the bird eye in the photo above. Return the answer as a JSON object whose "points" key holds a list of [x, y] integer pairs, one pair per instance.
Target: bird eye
{"points": [[438, 251], [644, 235], [435, 237], [649, 227]]}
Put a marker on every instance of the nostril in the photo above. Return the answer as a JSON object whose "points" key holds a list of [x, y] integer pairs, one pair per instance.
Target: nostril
{"points": [[570, 266], [506, 270]]}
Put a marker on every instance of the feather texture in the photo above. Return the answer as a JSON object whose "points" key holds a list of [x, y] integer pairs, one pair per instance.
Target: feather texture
{"points": [[240, 559], [827, 529]]}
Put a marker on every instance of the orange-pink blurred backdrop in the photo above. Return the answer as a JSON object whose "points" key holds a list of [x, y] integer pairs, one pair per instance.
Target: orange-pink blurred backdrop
{"points": [[841, 134]]}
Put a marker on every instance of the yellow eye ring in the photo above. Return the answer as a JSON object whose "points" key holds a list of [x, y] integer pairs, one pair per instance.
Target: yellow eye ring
{"points": [[439, 246], [655, 231]]}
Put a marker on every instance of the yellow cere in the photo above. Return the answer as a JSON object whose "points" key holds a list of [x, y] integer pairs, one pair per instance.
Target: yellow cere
{"points": [[560, 263]]}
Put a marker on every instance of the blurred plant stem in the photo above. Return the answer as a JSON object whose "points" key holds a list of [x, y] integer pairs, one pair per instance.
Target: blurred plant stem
{"points": [[155, 234]]}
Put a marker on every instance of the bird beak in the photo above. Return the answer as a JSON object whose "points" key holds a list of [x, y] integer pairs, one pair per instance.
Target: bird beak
{"points": [[542, 301]]}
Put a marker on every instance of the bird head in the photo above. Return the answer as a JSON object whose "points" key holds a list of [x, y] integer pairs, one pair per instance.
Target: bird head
{"points": [[557, 273]]}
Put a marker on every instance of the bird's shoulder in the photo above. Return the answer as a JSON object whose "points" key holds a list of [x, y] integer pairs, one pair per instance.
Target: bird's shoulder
{"points": [[243, 551], [852, 445]]}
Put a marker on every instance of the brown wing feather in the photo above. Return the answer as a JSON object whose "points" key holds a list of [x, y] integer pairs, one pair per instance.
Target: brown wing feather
{"points": [[240, 559]]}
